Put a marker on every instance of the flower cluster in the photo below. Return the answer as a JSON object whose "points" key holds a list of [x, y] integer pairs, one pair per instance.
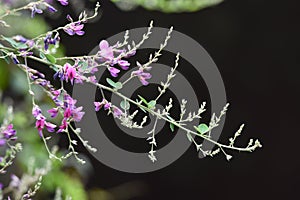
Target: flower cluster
{"points": [[39, 6], [117, 112], [49, 40], [107, 53], [142, 76], [7, 133], [41, 122], [19, 38], [81, 69], [68, 108], [74, 28], [68, 73], [70, 112]]}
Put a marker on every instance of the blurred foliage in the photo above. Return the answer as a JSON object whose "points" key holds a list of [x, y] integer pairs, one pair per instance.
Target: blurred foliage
{"points": [[33, 148], [13, 84], [28, 27], [168, 6]]}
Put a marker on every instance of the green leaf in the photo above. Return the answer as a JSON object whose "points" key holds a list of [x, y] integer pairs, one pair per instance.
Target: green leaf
{"points": [[116, 85], [143, 100], [151, 104], [10, 41], [50, 58], [84, 65], [125, 105], [202, 128], [20, 45], [13, 43], [42, 55], [172, 127], [6, 59]]}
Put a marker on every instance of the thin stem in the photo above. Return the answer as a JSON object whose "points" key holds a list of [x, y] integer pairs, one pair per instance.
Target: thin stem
{"points": [[14, 11], [166, 119]]}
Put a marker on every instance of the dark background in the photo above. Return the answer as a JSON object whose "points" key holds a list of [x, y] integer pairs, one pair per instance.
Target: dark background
{"points": [[255, 44]]}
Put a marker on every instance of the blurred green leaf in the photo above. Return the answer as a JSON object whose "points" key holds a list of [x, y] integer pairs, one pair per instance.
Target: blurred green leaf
{"points": [[125, 105], [12, 42], [151, 104], [28, 27], [202, 128], [172, 127], [4, 75], [168, 6], [50, 58], [116, 85]]}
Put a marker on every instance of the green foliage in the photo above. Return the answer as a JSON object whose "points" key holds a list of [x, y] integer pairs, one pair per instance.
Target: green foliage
{"points": [[151, 104], [116, 85], [125, 105], [48, 57], [13, 43], [172, 127], [202, 128], [168, 6], [28, 27], [4, 75], [69, 185]]}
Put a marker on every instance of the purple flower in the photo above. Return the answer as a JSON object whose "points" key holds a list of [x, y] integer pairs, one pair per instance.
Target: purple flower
{"points": [[49, 40], [1, 185], [50, 127], [113, 71], [106, 51], [70, 111], [53, 112], [117, 112], [55, 96], [26, 54], [63, 126], [60, 75], [104, 102], [2, 142], [124, 64], [107, 106], [93, 79], [98, 105], [130, 53], [77, 114], [9, 132], [63, 2], [36, 111], [15, 181], [70, 72], [69, 18], [20, 38], [143, 76], [34, 10], [15, 59], [41, 122], [74, 28], [50, 8]]}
